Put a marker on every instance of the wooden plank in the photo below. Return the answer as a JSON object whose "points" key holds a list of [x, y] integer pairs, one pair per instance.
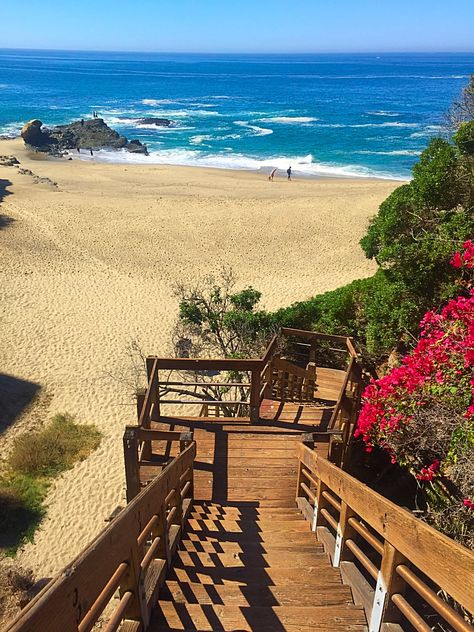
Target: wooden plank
{"points": [[446, 562], [299, 594], [249, 619], [362, 591], [201, 364]]}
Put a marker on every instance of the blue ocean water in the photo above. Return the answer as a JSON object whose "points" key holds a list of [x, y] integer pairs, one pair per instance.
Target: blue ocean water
{"points": [[361, 115]]}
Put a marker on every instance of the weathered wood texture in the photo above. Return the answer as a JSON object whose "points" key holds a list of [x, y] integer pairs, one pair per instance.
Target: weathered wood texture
{"points": [[247, 568], [389, 544], [130, 555]]}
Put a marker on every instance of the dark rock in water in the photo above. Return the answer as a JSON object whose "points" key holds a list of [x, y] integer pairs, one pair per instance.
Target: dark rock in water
{"points": [[92, 134], [159, 122]]}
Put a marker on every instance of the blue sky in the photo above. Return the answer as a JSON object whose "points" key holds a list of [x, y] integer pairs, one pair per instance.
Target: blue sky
{"points": [[239, 26]]}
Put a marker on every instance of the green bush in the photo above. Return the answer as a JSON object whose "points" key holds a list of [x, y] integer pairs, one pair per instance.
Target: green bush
{"points": [[54, 449]]}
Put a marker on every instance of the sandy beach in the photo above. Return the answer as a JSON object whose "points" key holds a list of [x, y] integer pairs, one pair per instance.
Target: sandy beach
{"points": [[89, 253]]}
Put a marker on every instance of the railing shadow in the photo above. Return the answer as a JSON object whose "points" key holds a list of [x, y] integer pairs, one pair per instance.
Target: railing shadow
{"points": [[15, 396], [5, 221], [209, 531]]}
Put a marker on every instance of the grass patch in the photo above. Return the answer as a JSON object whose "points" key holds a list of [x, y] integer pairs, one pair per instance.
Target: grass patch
{"points": [[35, 460]]}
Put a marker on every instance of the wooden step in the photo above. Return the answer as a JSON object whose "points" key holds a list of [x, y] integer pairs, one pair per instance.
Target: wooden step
{"points": [[242, 513], [274, 538], [289, 558], [319, 574], [247, 546], [252, 595], [248, 526], [209, 618]]}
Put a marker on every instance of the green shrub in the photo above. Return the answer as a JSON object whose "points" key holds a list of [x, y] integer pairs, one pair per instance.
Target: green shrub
{"points": [[54, 449]]}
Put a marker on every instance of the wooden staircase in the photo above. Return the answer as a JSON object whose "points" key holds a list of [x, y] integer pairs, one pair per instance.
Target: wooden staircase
{"points": [[241, 567]]}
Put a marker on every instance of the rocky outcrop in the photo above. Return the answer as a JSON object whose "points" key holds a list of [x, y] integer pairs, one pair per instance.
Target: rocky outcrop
{"points": [[151, 120], [9, 161], [91, 134], [33, 135]]}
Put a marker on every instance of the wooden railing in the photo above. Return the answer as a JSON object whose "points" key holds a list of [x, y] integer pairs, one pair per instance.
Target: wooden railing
{"points": [[397, 565], [137, 448], [260, 374], [131, 556]]}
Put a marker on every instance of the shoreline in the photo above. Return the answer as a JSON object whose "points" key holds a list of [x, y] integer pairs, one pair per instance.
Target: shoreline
{"points": [[106, 156]]}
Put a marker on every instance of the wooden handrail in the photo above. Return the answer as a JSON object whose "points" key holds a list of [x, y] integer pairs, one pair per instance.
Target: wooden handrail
{"points": [[206, 364], [75, 599], [312, 335], [402, 541]]}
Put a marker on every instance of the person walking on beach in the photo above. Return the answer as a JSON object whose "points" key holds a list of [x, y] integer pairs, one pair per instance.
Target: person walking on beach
{"points": [[272, 175], [92, 153], [288, 171]]}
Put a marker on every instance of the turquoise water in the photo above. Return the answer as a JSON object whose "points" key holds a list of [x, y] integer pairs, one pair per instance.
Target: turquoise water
{"points": [[336, 115]]}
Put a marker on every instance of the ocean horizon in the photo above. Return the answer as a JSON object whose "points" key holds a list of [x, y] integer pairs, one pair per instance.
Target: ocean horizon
{"points": [[347, 115]]}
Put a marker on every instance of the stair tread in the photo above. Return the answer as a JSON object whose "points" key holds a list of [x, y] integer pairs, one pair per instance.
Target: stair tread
{"points": [[289, 559], [262, 618], [255, 595], [319, 574]]}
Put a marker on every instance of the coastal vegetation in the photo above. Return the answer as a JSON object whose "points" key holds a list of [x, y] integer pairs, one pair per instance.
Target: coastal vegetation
{"points": [[35, 460], [422, 412]]}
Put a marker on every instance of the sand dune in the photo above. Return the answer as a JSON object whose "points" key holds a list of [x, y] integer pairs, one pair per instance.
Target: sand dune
{"points": [[88, 265]]}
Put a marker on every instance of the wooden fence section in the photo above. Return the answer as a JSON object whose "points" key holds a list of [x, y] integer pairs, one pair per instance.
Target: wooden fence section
{"points": [[131, 555], [395, 564], [267, 377]]}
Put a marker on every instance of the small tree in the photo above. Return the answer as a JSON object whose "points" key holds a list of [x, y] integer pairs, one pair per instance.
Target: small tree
{"points": [[215, 320], [462, 109]]}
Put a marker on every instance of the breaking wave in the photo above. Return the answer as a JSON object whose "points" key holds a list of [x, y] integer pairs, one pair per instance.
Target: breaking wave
{"points": [[257, 131], [301, 165]]}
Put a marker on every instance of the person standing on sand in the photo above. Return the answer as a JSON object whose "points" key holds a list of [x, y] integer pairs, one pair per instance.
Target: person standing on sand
{"points": [[92, 153], [272, 175], [288, 171]]}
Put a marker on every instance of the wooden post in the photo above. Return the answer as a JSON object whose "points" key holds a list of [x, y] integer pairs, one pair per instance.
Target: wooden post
{"points": [[255, 395], [268, 372], [132, 470], [299, 478], [344, 532], [185, 440], [319, 503], [134, 581], [388, 584], [140, 398], [160, 531], [307, 439]]}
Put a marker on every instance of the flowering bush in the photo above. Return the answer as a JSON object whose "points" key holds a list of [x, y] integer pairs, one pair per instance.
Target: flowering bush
{"points": [[422, 412]]}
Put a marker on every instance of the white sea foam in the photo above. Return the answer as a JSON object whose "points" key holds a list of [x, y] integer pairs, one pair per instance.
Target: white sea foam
{"points": [[362, 125], [202, 138], [155, 102], [11, 130], [289, 119], [383, 113], [428, 131], [257, 131], [395, 152], [301, 165]]}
